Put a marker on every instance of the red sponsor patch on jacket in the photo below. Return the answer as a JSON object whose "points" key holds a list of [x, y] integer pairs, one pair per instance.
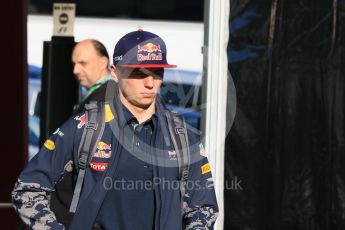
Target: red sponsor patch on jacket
{"points": [[99, 166], [81, 119]]}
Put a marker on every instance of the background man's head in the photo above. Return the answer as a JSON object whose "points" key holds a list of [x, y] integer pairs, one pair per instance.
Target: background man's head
{"points": [[91, 62], [138, 64]]}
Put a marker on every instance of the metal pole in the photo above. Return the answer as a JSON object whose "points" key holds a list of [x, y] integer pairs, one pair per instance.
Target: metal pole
{"points": [[215, 93], [6, 205]]}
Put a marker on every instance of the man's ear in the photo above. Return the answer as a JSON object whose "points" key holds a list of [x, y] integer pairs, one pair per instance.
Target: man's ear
{"points": [[103, 61], [114, 73]]}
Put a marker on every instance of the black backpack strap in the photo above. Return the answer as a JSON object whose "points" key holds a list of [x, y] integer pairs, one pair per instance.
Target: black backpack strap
{"points": [[93, 131], [179, 137], [111, 90], [161, 108]]}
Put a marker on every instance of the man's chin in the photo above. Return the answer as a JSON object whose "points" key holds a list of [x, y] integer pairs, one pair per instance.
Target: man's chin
{"points": [[143, 103], [85, 85]]}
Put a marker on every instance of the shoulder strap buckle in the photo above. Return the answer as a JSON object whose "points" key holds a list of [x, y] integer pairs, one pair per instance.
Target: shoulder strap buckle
{"points": [[83, 160], [91, 125], [91, 105], [179, 130]]}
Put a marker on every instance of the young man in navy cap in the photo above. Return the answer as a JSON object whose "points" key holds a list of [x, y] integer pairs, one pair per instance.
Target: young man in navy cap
{"points": [[133, 178]]}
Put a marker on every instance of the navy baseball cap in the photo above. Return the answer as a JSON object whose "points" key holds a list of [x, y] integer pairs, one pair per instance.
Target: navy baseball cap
{"points": [[141, 49]]}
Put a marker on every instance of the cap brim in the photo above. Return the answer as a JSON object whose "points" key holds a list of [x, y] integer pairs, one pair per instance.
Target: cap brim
{"points": [[148, 66]]}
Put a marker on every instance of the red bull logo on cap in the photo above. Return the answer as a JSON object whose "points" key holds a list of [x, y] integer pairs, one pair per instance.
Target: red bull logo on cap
{"points": [[149, 47], [154, 52]]}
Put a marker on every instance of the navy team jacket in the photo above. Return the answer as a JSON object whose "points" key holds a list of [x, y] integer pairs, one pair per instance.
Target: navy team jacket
{"points": [[58, 156]]}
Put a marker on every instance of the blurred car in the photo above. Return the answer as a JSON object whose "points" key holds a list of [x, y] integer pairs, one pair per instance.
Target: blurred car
{"points": [[34, 72], [181, 91], [34, 134], [34, 92]]}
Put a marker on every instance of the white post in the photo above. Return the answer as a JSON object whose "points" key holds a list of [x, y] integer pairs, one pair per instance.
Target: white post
{"points": [[216, 65]]}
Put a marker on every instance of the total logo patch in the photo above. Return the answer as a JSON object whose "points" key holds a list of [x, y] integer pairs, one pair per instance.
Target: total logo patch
{"points": [[206, 168], [81, 119], [99, 166], [49, 144]]}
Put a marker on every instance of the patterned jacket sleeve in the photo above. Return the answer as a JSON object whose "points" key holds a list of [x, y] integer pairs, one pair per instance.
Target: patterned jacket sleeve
{"points": [[30, 195], [200, 209]]}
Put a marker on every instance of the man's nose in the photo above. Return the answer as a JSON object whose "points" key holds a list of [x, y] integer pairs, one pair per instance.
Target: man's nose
{"points": [[148, 82], [76, 69]]}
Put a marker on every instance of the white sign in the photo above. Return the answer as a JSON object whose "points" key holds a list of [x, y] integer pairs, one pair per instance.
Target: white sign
{"points": [[64, 15]]}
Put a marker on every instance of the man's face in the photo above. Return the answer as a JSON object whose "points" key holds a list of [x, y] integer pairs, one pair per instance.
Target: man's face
{"points": [[139, 87], [88, 65]]}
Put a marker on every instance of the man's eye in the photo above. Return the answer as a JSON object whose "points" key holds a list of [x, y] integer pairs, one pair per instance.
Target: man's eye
{"points": [[137, 74]]}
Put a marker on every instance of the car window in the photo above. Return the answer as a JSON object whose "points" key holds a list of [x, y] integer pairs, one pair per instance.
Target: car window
{"points": [[34, 130], [37, 107]]}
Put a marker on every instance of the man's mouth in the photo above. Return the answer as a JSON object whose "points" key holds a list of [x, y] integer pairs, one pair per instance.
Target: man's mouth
{"points": [[147, 95]]}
